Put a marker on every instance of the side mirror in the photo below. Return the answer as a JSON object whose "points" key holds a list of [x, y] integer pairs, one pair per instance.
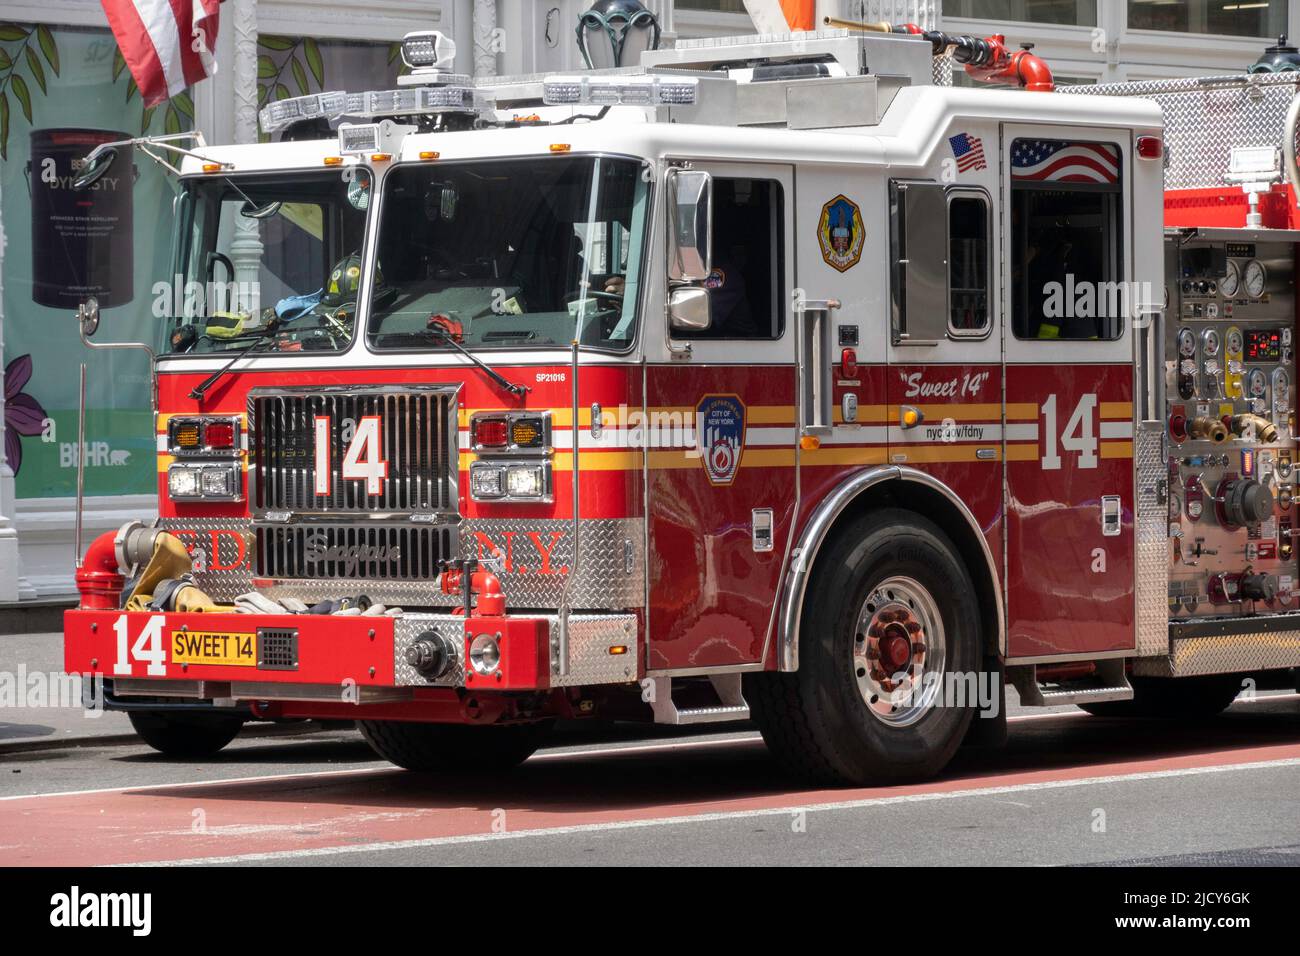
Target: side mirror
{"points": [[88, 316], [690, 230], [689, 309], [251, 210], [94, 166]]}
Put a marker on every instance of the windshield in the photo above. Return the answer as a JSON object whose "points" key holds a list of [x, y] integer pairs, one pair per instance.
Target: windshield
{"points": [[510, 254], [274, 258]]}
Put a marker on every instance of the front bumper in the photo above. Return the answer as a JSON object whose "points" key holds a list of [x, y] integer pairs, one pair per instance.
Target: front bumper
{"points": [[359, 660]]}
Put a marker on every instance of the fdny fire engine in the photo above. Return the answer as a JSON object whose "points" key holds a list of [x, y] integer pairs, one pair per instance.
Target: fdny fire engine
{"points": [[767, 378]]}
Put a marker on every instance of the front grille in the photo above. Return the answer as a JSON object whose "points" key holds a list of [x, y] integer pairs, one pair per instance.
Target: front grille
{"points": [[371, 552], [419, 442]]}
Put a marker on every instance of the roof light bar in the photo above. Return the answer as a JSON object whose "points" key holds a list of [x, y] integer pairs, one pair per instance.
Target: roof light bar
{"points": [[459, 96], [620, 91]]}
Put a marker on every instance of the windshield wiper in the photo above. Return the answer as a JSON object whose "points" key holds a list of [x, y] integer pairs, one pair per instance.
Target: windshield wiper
{"points": [[492, 373], [273, 326]]}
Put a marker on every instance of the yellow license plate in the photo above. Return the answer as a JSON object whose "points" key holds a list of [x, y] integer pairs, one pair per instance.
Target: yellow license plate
{"points": [[207, 647]]}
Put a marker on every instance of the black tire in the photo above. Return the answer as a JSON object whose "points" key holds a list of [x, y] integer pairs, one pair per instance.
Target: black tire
{"points": [[185, 736], [1173, 698], [452, 747], [816, 721]]}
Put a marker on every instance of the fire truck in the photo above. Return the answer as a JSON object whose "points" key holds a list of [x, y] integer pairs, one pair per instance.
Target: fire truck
{"points": [[767, 378]]}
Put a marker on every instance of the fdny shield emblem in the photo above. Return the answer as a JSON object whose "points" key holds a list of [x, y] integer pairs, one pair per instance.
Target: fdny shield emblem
{"points": [[840, 233], [720, 430]]}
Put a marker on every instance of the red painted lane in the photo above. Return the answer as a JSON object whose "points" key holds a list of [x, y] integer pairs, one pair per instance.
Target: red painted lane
{"points": [[321, 811]]}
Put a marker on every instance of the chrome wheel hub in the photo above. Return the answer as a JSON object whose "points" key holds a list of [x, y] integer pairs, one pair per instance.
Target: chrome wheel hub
{"points": [[899, 651]]}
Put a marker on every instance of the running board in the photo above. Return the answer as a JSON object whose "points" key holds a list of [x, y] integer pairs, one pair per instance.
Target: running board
{"points": [[730, 706], [1109, 682]]}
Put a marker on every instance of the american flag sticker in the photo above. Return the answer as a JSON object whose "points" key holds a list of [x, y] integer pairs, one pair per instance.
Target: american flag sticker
{"points": [[1061, 161], [968, 150]]}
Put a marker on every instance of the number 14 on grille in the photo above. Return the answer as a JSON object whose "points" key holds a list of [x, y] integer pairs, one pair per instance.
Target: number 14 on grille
{"points": [[363, 460]]}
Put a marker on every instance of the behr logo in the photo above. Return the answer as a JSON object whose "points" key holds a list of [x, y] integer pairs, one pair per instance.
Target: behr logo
{"points": [[75, 909]]}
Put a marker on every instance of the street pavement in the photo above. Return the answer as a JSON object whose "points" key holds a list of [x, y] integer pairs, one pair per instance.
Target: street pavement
{"points": [[1068, 788]]}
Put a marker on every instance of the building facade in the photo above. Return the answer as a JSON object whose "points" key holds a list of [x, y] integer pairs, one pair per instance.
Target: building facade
{"points": [[62, 80]]}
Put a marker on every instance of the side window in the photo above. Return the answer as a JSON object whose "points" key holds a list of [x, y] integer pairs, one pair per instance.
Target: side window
{"points": [[1066, 240], [968, 264], [940, 250], [746, 285]]}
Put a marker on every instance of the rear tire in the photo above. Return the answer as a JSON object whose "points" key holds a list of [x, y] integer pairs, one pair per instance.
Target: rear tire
{"points": [[185, 736], [1173, 698], [821, 721], [451, 747]]}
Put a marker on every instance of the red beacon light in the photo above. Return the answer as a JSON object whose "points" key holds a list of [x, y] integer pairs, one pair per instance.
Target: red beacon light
{"points": [[1150, 147], [491, 432], [219, 435], [849, 363]]}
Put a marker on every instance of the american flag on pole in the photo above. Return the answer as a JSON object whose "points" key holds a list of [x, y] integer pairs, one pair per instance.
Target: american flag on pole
{"points": [[167, 44], [968, 151], [1060, 161]]}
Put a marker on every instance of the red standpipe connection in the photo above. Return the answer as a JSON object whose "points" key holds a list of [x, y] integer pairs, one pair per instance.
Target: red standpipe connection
{"points": [[98, 579], [483, 584]]}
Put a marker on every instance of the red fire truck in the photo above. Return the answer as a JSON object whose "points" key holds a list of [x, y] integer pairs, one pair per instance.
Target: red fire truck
{"points": [[765, 379]]}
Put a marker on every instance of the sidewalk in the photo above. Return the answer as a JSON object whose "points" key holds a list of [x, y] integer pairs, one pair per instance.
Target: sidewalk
{"points": [[34, 705]]}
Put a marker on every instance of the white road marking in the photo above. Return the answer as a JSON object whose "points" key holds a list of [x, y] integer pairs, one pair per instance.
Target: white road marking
{"points": [[617, 825]]}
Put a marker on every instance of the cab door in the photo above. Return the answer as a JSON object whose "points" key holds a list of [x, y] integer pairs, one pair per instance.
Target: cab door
{"points": [[1069, 371], [720, 508]]}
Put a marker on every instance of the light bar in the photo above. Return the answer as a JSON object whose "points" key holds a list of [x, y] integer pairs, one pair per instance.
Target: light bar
{"points": [[620, 91], [459, 95], [281, 113]]}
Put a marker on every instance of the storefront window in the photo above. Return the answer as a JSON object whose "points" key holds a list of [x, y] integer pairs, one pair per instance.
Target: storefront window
{"points": [[62, 91], [296, 66], [1238, 18], [1081, 13]]}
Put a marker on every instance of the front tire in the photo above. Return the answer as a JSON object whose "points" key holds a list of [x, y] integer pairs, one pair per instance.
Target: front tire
{"points": [[450, 747], [185, 736], [890, 612], [1173, 698]]}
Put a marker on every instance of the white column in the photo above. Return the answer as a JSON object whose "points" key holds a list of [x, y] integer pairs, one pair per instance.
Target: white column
{"points": [[485, 38], [246, 247], [13, 586]]}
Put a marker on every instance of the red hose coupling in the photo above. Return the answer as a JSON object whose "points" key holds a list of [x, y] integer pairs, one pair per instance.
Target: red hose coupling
{"points": [[99, 581]]}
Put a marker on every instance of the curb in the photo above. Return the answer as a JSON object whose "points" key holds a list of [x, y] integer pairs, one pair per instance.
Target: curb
{"points": [[258, 730], [38, 617]]}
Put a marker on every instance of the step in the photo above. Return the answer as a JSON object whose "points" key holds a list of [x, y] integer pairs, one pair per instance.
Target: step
{"points": [[731, 703], [1109, 683]]}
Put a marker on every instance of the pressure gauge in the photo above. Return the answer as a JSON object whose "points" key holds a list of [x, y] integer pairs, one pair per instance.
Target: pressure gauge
{"points": [[1235, 342], [1186, 343], [1256, 383], [1255, 277], [1231, 280], [1210, 342]]}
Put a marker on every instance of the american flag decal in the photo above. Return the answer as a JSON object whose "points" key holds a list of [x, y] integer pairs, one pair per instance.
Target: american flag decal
{"points": [[1059, 161], [968, 151]]}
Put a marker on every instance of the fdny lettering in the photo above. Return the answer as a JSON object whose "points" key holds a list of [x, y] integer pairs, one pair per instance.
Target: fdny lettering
{"points": [[968, 385], [206, 548], [519, 558]]}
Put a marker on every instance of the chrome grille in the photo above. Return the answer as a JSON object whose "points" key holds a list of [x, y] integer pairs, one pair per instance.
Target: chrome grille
{"points": [[366, 552], [418, 437]]}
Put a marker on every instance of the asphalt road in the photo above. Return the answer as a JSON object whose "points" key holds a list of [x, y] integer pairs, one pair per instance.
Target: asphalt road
{"points": [[1068, 788]]}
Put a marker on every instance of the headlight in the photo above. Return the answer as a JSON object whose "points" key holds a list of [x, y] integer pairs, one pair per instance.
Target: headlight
{"points": [[524, 481], [510, 481], [485, 654], [210, 482], [485, 481]]}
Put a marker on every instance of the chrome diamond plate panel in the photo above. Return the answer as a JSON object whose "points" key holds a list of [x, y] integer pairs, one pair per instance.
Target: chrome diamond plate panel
{"points": [[534, 557], [222, 550], [409, 627], [1206, 117], [1224, 654], [590, 661], [1152, 531], [590, 638]]}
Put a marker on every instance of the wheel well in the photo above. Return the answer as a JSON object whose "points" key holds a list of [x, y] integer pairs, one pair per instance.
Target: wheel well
{"points": [[932, 505]]}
